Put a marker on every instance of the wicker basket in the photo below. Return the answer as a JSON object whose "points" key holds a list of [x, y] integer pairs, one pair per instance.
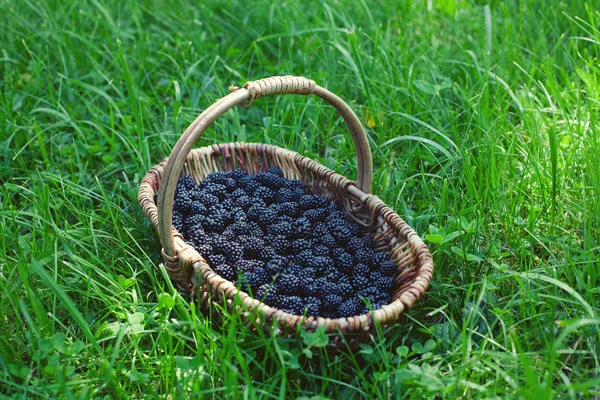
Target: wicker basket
{"points": [[190, 272]]}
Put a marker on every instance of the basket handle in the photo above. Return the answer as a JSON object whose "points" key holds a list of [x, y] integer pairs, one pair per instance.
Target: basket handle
{"points": [[245, 96]]}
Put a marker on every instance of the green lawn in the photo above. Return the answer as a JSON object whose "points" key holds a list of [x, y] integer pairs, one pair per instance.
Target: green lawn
{"points": [[484, 122]]}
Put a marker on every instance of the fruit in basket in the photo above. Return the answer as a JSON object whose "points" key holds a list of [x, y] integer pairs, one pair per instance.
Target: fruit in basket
{"points": [[293, 250]]}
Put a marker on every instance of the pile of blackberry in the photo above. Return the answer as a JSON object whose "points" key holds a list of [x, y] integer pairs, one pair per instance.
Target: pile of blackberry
{"points": [[293, 250]]}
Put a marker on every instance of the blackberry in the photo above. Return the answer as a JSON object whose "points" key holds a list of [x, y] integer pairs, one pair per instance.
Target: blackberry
{"points": [[312, 305], [214, 222], [286, 195], [182, 202], [280, 229], [359, 282], [186, 182], [331, 314], [305, 258], [374, 276], [265, 194], [300, 245], [302, 227], [387, 268], [244, 202], [204, 249], [307, 275], [307, 202], [332, 274], [339, 230], [262, 215], [178, 221], [266, 254], [275, 171], [231, 185], [292, 305], [380, 257], [252, 245], [217, 177], [332, 302], [290, 209], [314, 215], [197, 208], [355, 244], [344, 261], [225, 271], [276, 265], [384, 284], [364, 256], [263, 291], [280, 244], [216, 259], [247, 266], [350, 307], [293, 184], [217, 190], [360, 270], [238, 174], [321, 202], [258, 277], [289, 283], [270, 181], [236, 194], [320, 229], [329, 241], [322, 263], [321, 251]]}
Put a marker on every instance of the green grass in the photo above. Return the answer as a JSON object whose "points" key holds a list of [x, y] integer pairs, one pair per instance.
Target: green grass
{"points": [[484, 126]]}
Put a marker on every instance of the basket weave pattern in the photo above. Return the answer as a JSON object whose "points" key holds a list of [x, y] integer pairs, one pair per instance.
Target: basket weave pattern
{"points": [[189, 271]]}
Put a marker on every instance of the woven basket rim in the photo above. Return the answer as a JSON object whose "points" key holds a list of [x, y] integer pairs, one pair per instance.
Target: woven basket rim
{"points": [[202, 272]]}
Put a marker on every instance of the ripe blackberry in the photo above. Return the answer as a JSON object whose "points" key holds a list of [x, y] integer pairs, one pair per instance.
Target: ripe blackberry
{"points": [[252, 245], [231, 185], [307, 202], [225, 271], [374, 276], [355, 244], [217, 190], [280, 244], [380, 257], [262, 215], [332, 302], [344, 261], [321, 251], [186, 182], [217, 177], [265, 194], [178, 221], [244, 202], [302, 227], [329, 241], [215, 259], [276, 265], [231, 250], [320, 229], [307, 275], [182, 202], [331, 314], [238, 174], [339, 230], [275, 170], [305, 258], [292, 305], [259, 277], [266, 254], [321, 202], [247, 266], [290, 209], [270, 181], [197, 208], [364, 256], [360, 270], [214, 222], [288, 283], [300, 245], [384, 284], [286, 195], [387, 268], [312, 305], [350, 307], [359, 282], [322, 263], [263, 291], [314, 215], [293, 184], [203, 249], [332, 274], [280, 229]]}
